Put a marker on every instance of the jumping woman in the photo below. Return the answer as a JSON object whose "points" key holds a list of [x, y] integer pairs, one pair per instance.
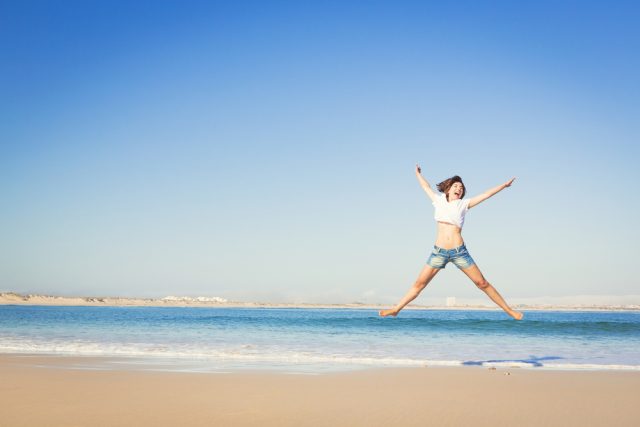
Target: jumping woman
{"points": [[450, 209]]}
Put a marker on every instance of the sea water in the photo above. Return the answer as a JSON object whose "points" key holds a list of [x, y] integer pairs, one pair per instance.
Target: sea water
{"points": [[317, 340]]}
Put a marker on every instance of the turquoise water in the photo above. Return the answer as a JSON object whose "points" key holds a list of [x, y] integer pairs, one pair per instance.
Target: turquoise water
{"points": [[314, 340]]}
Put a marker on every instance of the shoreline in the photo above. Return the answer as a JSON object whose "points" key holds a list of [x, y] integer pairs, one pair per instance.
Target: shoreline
{"points": [[12, 298], [39, 391], [198, 365]]}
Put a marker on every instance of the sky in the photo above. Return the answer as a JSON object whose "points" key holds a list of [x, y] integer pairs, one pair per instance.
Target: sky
{"points": [[265, 151]]}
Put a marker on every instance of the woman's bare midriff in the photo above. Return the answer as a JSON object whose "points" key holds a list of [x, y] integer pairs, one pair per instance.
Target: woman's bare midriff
{"points": [[449, 236]]}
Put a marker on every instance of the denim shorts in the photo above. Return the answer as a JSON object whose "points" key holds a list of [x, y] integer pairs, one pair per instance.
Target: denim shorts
{"points": [[459, 256]]}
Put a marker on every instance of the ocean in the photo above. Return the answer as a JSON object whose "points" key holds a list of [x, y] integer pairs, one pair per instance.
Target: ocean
{"points": [[320, 340]]}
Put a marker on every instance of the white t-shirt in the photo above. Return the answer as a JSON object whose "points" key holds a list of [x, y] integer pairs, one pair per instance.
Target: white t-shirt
{"points": [[452, 212]]}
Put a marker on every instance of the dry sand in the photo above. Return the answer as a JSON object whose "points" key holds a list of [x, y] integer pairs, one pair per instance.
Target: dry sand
{"points": [[39, 390], [13, 298]]}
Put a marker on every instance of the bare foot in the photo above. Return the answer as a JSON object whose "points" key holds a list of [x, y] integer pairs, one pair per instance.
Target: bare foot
{"points": [[385, 313], [517, 315]]}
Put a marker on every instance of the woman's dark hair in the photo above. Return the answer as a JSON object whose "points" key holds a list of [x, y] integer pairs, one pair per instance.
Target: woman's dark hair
{"points": [[445, 185]]}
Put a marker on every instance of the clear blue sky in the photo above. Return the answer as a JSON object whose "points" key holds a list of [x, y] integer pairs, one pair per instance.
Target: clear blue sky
{"points": [[265, 150]]}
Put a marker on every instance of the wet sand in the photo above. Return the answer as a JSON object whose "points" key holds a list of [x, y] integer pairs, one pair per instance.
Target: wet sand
{"points": [[43, 390]]}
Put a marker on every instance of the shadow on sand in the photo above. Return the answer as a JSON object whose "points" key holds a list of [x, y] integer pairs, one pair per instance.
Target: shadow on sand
{"points": [[532, 360]]}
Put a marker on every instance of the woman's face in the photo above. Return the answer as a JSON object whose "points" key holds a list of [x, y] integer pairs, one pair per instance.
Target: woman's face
{"points": [[455, 192]]}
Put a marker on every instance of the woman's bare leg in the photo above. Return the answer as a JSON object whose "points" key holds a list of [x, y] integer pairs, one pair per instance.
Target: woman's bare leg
{"points": [[422, 281], [476, 276]]}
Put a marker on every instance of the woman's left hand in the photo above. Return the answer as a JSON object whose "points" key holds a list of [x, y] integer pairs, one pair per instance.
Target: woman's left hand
{"points": [[508, 183]]}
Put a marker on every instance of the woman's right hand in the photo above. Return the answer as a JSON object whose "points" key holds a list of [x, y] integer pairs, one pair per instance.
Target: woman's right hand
{"points": [[418, 170]]}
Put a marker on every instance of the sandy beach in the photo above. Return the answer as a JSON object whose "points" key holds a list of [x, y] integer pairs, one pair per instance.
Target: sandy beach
{"points": [[13, 298], [43, 390]]}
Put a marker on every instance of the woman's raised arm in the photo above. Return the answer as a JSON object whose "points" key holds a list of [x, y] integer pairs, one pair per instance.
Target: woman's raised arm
{"points": [[484, 196], [424, 184]]}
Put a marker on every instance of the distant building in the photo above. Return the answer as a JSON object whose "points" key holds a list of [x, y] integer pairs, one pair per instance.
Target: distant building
{"points": [[192, 299], [451, 301]]}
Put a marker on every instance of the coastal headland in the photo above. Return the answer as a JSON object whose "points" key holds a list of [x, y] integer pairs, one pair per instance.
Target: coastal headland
{"points": [[13, 298]]}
